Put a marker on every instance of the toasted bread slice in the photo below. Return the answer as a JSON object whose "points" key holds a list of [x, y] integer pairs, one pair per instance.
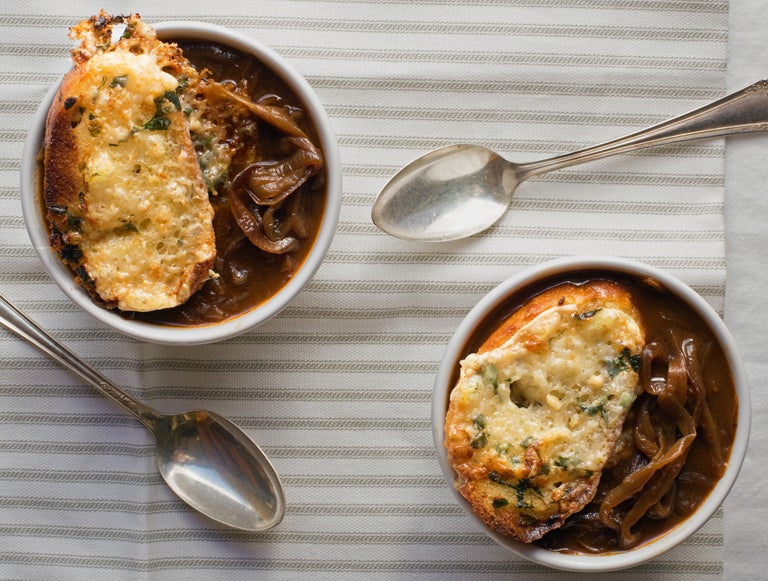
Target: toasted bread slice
{"points": [[537, 411], [126, 201]]}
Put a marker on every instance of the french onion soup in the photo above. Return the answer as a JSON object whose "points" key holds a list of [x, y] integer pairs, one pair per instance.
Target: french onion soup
{"points": [[590, 414], [182, 183]]}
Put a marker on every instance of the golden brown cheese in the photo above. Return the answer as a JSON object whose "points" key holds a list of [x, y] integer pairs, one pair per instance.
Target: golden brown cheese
{"points": [[533, 418], [124, 194]]}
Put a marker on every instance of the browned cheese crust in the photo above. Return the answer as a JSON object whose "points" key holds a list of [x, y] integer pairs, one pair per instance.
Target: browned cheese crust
{"points": [[82, 231]]}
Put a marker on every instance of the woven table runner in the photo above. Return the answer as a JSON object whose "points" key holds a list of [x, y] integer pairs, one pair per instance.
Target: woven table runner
{"points": [[337, 388]]}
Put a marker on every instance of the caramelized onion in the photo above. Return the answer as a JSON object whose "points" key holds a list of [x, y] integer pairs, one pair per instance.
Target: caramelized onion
{"points": [[665, 439], [270, 182], [275, 116], [297, 221], [251, 225], [645, 435], [705, 418]]}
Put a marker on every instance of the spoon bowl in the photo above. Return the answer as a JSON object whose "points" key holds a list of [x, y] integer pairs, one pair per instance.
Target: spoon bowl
{"points": [[208, 461], [461, 190], [449, 193], [213, 466]]}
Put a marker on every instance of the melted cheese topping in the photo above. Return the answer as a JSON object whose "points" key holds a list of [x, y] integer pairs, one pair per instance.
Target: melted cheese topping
{"points": [[550, 402], [148, 215]]}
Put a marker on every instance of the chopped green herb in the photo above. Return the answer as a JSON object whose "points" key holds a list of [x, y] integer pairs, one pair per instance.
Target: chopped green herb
{"points": [[183, 84], [158, 123], [479, 441], [491, 376], [594, 409], [566, 462], [624, 361], [165, 103], [586, 315], [169, 97], [528, 442], [119, 81], [130, 227], [613, 367], [521, 488], [499, 502]]}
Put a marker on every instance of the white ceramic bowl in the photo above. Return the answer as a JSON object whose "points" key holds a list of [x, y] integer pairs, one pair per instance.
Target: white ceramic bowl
{"points": [[455, 351], [191, 335]]}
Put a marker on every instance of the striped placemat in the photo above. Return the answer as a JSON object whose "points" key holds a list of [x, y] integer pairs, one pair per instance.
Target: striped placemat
{"points": [[337, 388]]}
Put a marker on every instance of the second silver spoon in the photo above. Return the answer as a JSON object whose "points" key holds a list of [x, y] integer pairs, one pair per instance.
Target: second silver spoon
{"points": [[461, 190], [208, 461]]}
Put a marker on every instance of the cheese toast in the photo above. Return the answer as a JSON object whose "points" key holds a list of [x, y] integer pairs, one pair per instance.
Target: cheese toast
{"points": [[537, 410], [125, 199]]}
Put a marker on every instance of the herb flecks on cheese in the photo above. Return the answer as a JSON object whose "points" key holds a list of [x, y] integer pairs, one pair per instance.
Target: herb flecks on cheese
{"points": [[531, 423], [127, 202]]}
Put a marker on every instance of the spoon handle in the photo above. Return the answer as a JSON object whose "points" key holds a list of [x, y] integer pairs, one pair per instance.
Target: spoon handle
{"points": [[740, 112], [17, 322]]}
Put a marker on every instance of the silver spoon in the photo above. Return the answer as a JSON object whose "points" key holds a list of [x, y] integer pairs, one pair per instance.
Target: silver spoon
{"points": [[460, 190], [209, 462]]}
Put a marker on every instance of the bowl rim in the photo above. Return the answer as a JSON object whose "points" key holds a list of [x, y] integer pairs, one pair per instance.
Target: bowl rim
{"points": [[206, 333], [656, 547]]}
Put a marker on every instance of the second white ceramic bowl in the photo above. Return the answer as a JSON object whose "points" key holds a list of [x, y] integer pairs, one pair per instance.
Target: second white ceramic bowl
{"points": [[455, 351]]}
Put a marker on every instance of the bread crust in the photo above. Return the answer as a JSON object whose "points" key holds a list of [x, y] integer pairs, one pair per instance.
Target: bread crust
{"points": [[484, 479], [82, 236], [590, 295]]}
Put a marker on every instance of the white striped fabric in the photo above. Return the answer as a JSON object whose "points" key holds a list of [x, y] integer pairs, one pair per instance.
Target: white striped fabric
{"points": [[337, 388]]}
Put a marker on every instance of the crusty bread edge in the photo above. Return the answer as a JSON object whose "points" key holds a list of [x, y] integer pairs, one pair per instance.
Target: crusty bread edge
{"points": [[63, 181], [597, 293]]}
